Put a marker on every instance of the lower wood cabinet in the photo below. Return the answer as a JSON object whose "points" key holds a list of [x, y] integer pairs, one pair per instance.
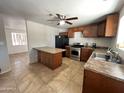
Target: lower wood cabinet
{"points": [[68, 51], [98, 83], [85, 54], [52, 61]]}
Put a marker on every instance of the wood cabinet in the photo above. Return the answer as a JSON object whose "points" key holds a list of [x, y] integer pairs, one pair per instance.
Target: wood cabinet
{"points": [[85, 54], [52, 61], [98, 83], [63, 33], [111, 25], [90, 31], [71, 31], [105, 28], [101, 29], [68, 51]]}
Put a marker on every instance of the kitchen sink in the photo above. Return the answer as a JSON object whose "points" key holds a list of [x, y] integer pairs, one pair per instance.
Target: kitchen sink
{"points": [[99, 56], [102, 57]]}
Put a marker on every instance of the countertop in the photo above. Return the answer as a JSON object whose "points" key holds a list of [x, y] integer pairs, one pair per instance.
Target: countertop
{"points": [[50, 50], [109, 69]]}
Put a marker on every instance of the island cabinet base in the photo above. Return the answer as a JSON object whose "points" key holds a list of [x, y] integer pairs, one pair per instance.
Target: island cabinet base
{"points": [[98, 83], [52, 61]]}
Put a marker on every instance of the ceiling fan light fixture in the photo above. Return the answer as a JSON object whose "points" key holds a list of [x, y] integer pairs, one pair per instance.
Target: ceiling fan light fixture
{"points": [[61, 22]]}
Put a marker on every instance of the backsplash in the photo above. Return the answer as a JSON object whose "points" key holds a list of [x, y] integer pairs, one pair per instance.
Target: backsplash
{"points": [[78, 37]]}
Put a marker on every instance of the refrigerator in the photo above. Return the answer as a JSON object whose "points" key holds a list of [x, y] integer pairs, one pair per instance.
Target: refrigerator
{"points": [[61, 41]]}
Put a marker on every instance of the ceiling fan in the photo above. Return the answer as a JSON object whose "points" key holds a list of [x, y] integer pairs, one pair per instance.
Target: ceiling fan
{"points": [[62, 19]]}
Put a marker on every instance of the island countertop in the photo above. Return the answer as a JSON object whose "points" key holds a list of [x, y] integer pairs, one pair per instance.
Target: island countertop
{"points": [[50, 50], [109, 69]]}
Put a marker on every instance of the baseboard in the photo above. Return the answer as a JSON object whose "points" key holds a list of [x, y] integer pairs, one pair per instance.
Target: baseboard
{"points": [[8, 70]]}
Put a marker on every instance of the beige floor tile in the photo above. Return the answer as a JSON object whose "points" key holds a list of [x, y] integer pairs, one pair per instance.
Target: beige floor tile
{"points": [[58, 84], [10, 91], [46, 89], [37, 78], [72, 87], [78, 78], [7, 83]]}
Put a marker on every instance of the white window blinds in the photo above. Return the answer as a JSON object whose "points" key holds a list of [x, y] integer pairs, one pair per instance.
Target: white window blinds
{"points": [[18, 39]]}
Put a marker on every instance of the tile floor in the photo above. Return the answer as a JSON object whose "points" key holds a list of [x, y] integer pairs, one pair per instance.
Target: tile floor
{"points": [[36, 78]]}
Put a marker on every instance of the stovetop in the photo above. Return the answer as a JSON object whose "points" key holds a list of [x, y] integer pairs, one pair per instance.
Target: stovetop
{"points": [[77, 46]]}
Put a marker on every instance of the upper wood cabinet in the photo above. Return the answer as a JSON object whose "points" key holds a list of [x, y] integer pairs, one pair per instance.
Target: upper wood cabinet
{"points": [[101, 29], [90, 31], [69, 34], [106, 28], [63, 33], [111, 25], [71, 31]]}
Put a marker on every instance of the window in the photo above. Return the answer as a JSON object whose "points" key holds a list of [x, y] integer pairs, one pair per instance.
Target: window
{"points": [[18, 39], [120, 39]]}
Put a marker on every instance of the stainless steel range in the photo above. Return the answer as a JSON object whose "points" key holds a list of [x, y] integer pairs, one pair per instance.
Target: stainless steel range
{"points": [[76, 52]]}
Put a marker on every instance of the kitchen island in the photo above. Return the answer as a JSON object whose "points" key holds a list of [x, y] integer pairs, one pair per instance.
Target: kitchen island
{"points": [[51, 57]]}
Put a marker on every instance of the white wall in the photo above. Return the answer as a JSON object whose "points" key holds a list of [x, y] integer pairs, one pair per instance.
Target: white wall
{"points": [[40, 35], [4, 58], [17, 25], [78, 37]]}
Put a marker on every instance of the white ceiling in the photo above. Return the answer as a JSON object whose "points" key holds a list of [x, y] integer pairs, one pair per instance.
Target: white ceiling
{"points": [[87, 11]]}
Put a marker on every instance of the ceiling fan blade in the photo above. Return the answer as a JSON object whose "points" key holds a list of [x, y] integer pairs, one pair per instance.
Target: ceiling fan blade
{"points": [[72, 18], [68, 22], [59, 16]]}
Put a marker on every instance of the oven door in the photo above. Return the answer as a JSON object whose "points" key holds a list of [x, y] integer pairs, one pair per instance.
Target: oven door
{"points": [[75, 53]]}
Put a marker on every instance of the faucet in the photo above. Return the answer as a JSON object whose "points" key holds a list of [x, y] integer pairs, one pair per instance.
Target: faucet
{"points": [[114, 56]]}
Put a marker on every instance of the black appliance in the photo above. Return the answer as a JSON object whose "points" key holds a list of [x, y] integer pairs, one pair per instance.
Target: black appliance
{"points": [[61, 41], [77, 46]]}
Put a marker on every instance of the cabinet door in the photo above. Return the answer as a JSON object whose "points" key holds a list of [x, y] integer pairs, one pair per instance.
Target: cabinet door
{"points": [[90, 31], [68, 51], [101, 29], [71, 33], [99, 83], [111, 25], [85, 54], [64, 33]]}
